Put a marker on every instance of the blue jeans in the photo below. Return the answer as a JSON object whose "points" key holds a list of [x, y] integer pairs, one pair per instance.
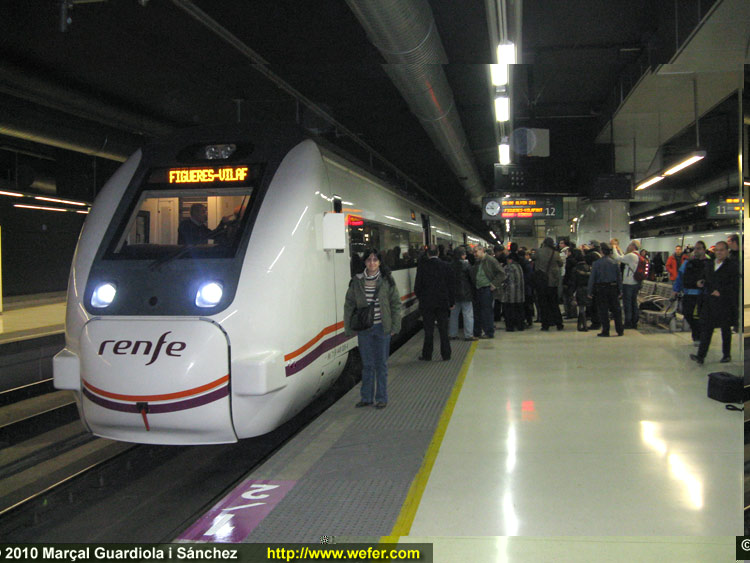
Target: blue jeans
{"points": [[486, 313], [374, 346], [467, 308], [630, 303]]}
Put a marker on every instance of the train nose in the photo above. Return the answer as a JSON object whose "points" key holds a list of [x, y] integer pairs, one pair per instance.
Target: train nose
{"points": [[156, 381]]}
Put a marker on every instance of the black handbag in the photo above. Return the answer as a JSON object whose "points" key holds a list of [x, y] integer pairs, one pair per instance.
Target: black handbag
{"points": [[725, 387], [363, 317]]}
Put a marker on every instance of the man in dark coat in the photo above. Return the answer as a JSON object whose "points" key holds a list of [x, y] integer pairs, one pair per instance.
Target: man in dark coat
{"points": [[720, 295], [605, 283], [435, 289]]}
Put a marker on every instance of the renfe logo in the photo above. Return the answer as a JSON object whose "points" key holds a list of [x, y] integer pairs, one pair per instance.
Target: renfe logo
{"points": [[123, 347]]}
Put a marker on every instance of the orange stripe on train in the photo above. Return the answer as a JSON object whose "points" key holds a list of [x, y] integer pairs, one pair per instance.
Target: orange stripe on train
{"points": [[322, 333]]}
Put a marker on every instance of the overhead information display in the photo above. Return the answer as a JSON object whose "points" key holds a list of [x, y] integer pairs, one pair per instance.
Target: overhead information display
{"points": [[724, 207], [522, 207], [202, 175]]}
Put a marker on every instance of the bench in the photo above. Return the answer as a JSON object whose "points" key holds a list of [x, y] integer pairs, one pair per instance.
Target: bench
{"points": [[663, 306]]}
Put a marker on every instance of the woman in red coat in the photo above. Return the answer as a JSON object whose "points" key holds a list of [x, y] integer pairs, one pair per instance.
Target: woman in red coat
{"points": [[674, 262]]}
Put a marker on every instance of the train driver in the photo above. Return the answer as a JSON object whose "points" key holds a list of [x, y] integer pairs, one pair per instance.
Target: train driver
{"points": [[193, 230]]}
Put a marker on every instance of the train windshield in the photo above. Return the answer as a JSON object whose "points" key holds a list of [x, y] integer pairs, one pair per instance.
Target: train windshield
{"points": [[189, 213]]}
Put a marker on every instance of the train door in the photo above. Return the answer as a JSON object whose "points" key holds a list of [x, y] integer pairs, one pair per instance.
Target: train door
{"points": [[166, 225], [427, 230], [340, 274]]}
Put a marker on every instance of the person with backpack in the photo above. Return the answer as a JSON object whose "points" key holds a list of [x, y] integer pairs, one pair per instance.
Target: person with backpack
{"points": [[688, 275], [635, 273]]}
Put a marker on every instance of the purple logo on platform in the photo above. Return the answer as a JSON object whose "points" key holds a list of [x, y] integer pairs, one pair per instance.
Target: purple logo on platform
{"points": [[237, 514]]}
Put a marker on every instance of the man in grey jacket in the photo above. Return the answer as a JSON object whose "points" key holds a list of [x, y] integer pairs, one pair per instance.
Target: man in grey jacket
{"points": [[488, 278]]}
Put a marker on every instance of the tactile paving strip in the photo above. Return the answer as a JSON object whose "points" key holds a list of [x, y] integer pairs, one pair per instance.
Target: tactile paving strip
{"points": [[354, 466]]}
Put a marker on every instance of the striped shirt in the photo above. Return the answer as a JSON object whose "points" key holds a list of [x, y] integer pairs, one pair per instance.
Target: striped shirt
{"points": [[371, 285]]}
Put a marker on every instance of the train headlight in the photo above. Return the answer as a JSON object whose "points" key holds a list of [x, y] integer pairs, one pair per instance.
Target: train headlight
{"points": [[209, 295], [103, 295]]}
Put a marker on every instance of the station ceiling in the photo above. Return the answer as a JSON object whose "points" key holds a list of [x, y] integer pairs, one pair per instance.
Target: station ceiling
{"points": [[131, 70]]}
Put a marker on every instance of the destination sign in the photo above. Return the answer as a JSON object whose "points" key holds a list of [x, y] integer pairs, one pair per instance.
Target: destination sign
{"points": [[530, 207], [207, 175], [723, 207]]}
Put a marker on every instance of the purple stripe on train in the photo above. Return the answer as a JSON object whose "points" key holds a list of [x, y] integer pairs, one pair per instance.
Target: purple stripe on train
{"points": [[324, 346], [153, 408]]}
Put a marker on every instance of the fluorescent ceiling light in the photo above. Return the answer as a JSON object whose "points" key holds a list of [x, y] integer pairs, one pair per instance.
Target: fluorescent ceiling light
{"points": [[59, 200], [504, 151], [40, 207], [647, 183], [502, 108], [506, 53], [14, 194], [650, 217], [667, 213], [692, 159], [701, 204], [631, 222], [499, 75]]}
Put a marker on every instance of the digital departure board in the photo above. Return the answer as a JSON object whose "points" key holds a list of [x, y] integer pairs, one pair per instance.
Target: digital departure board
{"points": [[519, 207], [724, 207]]}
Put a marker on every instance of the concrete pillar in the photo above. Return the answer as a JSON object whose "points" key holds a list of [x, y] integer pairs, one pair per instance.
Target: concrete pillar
{"points": [[604, 220]]}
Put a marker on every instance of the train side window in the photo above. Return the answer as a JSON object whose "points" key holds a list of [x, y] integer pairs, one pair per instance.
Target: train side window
{"points": [[399, 247], [396, 248]]}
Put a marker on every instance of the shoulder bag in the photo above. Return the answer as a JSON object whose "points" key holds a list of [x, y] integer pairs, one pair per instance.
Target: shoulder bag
{"points": [[363, 317]]}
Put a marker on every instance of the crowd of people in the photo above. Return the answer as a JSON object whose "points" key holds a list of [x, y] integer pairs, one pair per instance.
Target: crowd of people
{"points": [[524, 286]]}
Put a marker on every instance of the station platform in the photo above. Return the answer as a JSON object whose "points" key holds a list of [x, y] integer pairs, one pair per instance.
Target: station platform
{"points": [[32, 316], [551, 445]]}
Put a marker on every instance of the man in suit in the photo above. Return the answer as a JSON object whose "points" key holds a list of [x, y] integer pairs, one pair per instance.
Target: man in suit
{"points": [[435, 289], [720, 295]]}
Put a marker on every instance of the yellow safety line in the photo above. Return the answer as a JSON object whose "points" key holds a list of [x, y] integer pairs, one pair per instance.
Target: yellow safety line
{"points": [[418, 485]]}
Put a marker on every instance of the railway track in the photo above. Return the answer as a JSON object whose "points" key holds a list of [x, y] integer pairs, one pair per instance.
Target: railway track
{"points": [[44, 443]]}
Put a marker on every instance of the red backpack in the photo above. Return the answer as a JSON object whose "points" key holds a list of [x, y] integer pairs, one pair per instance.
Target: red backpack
{"points": [[642, 270]]}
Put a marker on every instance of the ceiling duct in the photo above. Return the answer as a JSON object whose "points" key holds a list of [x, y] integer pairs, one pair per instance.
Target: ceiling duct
{"points": [[405, 33], [23, 120]]}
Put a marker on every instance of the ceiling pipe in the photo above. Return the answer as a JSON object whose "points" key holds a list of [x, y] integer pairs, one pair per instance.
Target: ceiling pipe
{"points": [[404, 32], [20, 84], [30, 122]]}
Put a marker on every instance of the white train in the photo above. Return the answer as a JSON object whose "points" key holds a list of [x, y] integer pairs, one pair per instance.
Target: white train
{"points": [[173, 339], [666, 243]]}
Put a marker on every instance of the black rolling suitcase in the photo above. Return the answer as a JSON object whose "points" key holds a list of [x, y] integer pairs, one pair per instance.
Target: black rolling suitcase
{"points": [[725, 387]]}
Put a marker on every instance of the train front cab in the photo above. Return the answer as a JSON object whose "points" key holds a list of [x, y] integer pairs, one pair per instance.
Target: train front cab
{"points": [[145, 358]]}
